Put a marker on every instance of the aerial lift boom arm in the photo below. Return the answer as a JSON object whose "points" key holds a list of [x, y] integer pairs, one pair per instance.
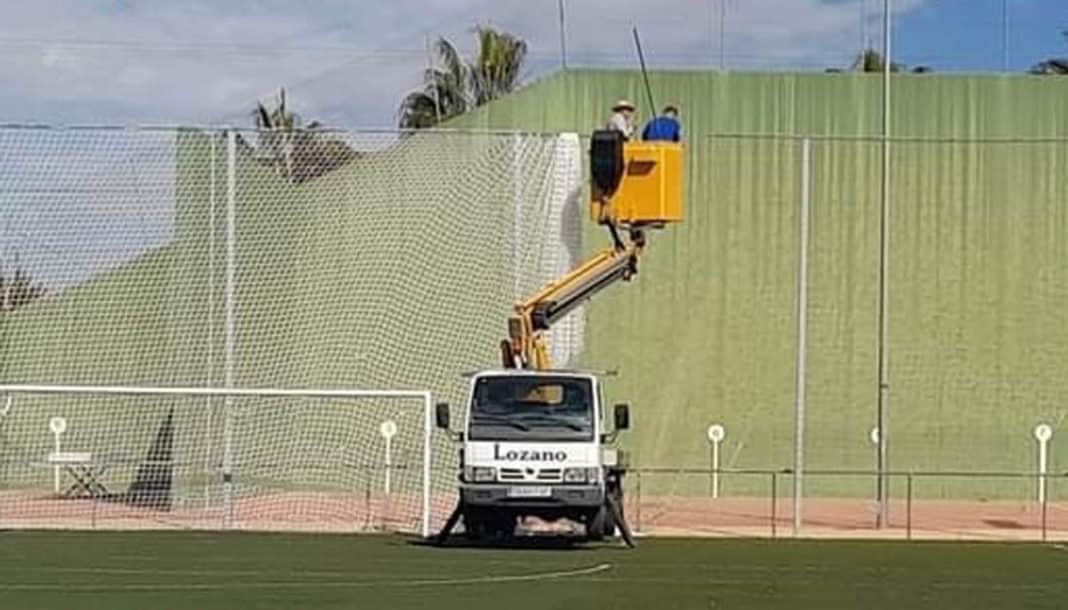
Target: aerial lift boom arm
{"points": [[526, 346], [614, 169]]}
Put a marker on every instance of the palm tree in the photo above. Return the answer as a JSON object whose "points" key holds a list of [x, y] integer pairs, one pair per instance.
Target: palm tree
{"points": [[454, 86], [446, 91], [18, 289], [1053, 66], [495, 72], [276, 127], [870, 60], [316, 153], [1057, 66], [298, 152]]}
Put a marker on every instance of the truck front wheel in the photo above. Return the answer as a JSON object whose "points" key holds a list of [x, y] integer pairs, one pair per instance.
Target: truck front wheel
{"points": [[474, 524], [501, 524], [480, 524]]}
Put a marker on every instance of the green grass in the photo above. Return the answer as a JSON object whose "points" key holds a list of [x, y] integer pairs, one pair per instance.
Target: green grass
{"points": [[209, 571]]}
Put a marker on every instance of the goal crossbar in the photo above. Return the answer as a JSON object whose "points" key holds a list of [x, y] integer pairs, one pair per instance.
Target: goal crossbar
{"points": [[205, 391], [112, 390]]}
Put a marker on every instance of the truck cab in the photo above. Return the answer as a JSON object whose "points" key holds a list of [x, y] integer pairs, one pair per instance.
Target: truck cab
{"points": [[537, 444]]}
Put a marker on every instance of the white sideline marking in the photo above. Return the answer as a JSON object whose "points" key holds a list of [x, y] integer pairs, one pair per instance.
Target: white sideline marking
{"points": [[166, 572], [601, 567]]}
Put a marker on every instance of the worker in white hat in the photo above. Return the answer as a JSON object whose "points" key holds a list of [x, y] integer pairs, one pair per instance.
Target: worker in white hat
{"points": [[622, 118]]}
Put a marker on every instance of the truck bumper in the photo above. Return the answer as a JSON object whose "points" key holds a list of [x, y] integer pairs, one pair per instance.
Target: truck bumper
{"points": [[563, 496]]}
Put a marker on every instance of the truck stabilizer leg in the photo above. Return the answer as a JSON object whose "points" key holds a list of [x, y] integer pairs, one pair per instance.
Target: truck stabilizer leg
{"points": [[450, 523], [621, 523]]}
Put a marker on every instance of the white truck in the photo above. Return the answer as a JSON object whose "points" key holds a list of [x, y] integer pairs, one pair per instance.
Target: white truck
{"points": [[537, 444], [535, 441]]}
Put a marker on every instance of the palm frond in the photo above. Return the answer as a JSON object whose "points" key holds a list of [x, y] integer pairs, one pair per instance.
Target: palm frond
{"points": [[1057, 66], [262, 116], [417, 111], [496, 69], [296, 151], [454, 66], [454, 86], [19, 289]]}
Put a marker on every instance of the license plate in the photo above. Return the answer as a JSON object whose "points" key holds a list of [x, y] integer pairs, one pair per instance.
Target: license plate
{"points": [[530, 491]]}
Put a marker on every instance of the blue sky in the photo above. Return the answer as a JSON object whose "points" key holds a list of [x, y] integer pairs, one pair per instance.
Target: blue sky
{"points": [[348, 62], [967, 34]]}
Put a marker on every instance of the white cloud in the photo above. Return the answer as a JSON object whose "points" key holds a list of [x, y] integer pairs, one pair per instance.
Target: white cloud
{"points": [[349, 63]]}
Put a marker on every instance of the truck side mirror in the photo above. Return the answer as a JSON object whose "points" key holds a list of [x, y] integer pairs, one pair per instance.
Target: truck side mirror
{"points": [[622, 416], [441, 414]]}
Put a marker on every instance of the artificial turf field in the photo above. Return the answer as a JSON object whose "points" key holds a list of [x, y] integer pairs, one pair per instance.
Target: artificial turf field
{"points": [[213, 571]]}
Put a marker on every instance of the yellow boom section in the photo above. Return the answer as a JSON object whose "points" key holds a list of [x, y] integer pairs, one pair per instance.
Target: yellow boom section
{"points": [[635, 186], [526, 346]]}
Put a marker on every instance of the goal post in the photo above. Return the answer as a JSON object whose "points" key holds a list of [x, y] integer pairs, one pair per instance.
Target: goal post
{"points": [[125, 457]]}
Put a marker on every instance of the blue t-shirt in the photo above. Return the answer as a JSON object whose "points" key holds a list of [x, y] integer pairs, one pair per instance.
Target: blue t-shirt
{"points": [[662, 128]]}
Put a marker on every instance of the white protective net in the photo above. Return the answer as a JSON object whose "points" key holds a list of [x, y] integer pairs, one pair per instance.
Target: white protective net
{"points": [[306, 461], [197, 258]]}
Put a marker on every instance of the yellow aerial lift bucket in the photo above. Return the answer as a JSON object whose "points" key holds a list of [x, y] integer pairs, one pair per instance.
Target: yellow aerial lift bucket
{"points": [[648, 192]]}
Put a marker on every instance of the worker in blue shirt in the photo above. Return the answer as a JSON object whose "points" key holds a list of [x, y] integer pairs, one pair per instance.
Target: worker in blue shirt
{"points": [[665, 127]]}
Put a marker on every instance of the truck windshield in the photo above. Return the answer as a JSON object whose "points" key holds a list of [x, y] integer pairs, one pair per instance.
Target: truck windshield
{"points": [[532, 408]]}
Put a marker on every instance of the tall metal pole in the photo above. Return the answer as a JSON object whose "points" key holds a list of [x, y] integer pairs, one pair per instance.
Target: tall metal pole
{"points": [[802, 331], [211, 271], [1004, 35], [722, 35], [517, 218], [209, 403], [228, 349], [563, 36], [884, 280], [863, 27]]}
